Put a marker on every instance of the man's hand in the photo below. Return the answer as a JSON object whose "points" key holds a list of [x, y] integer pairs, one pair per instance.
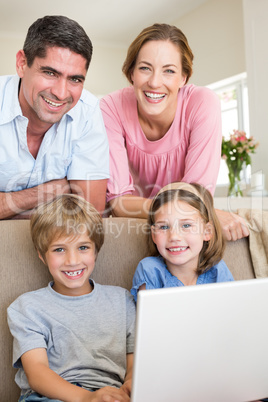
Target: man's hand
{"points": [[233, 226], [50, 190]]}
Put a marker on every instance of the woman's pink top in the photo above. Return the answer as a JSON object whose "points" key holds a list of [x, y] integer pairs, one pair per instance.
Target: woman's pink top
{"points": [[190, 151]]}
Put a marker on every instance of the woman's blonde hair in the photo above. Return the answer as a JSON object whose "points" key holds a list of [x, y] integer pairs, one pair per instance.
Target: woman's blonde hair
{"points": [[162, 32], [199, 198], [66, 215]]}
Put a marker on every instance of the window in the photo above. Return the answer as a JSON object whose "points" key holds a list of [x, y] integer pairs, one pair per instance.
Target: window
{"points": [[233, 94]]}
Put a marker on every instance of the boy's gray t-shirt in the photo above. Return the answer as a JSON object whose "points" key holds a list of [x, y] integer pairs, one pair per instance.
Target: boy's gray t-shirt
{"points": [[87, 337]]}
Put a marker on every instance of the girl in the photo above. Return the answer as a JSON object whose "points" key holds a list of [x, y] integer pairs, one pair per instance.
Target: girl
{"points": [[186, 238]]}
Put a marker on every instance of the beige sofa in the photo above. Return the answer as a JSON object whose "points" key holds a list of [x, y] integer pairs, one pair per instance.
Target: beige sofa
{"points": [[124, 246]]}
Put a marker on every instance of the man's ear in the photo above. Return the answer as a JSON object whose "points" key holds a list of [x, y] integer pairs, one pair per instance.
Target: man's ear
{"points": [[208, 232], [21, 63]]}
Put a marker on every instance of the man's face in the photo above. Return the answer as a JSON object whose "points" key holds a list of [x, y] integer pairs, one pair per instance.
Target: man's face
{"points": [[51, 86]]}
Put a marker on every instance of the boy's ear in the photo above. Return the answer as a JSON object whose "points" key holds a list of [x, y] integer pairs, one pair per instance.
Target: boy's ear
{"points": [[208, 232], [41, 258]]}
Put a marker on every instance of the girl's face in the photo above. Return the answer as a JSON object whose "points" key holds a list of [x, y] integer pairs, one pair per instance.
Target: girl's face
{"points": [[157, 78], [178, 233]]}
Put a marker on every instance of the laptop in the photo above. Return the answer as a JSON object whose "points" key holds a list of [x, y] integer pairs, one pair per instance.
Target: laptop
{"points": [[206, 343]]}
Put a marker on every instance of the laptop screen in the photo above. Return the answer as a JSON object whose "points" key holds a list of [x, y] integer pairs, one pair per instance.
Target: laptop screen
{"points": [[202, 343]]}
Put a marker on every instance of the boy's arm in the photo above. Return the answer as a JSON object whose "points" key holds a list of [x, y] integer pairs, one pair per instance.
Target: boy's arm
{"points": [[126, 387], [48, 383]]}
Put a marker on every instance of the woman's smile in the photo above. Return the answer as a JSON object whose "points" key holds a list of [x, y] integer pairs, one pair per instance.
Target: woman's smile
{"points": [[157, 77]]}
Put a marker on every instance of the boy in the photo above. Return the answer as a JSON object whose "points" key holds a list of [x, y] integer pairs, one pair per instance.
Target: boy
{"points": [[73, 340]]}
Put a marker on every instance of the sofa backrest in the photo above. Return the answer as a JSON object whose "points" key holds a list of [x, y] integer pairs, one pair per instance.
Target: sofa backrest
{"points": [[124, 246]]}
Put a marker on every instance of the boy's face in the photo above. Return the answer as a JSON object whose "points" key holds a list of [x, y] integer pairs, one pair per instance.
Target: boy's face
{"points": [[71, 260]]}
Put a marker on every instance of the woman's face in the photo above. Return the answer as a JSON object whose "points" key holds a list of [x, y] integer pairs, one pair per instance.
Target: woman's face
{"points": [[157, 78]]}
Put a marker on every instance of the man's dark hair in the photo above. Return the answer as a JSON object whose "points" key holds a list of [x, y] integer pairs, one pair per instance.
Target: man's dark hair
{"points": [[56, 30]]}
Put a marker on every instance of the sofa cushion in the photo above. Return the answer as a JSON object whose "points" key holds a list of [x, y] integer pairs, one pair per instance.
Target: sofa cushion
{"points": [[124, 246]]}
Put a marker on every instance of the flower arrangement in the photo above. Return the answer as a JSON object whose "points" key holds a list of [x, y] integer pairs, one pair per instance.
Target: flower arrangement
{"points": [[236, 152]]}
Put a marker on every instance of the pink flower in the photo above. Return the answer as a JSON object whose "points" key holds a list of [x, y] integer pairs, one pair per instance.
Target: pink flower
{"points": [[242, 138]]}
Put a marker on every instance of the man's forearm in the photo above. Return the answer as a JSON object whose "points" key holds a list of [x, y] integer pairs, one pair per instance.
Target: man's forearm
{"points": [[94, 191], [17, 202]]}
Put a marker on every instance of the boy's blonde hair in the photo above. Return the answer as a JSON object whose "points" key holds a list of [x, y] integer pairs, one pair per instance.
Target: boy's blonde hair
{"points": [[66, 215], [199, 198]]}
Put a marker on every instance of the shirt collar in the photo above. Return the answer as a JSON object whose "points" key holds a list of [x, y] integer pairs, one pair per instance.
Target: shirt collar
{"points": [[11, 106], [73, 112]]}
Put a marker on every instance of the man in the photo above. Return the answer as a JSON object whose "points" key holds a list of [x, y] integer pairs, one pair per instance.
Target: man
{"points": [[52, 136]]}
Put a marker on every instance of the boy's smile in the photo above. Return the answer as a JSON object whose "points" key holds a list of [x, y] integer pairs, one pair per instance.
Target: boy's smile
{"points": [[71, 260]]}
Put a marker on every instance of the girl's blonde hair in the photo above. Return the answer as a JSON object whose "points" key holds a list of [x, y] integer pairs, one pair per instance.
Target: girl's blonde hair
{"points": [[66, 215], [163, 32], [199, 198]]}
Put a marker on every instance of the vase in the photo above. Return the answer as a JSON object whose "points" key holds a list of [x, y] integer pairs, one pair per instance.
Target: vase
{"points": [[234, 189]]}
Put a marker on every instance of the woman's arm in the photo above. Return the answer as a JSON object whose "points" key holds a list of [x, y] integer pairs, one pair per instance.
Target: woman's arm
{"points": [[115, 108], [233, 226], [130, 206]]}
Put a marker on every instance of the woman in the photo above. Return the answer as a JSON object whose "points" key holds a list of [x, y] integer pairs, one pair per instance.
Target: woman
{"points": [[161, 130]]}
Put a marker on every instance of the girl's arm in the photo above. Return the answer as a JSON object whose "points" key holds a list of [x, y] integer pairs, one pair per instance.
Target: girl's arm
{"points": [[48, 383]]}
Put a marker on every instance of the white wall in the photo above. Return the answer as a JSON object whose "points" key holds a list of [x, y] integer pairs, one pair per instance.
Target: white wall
{"points": [[216, 36], [9, 45], [104, 74], [256, 35]]}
